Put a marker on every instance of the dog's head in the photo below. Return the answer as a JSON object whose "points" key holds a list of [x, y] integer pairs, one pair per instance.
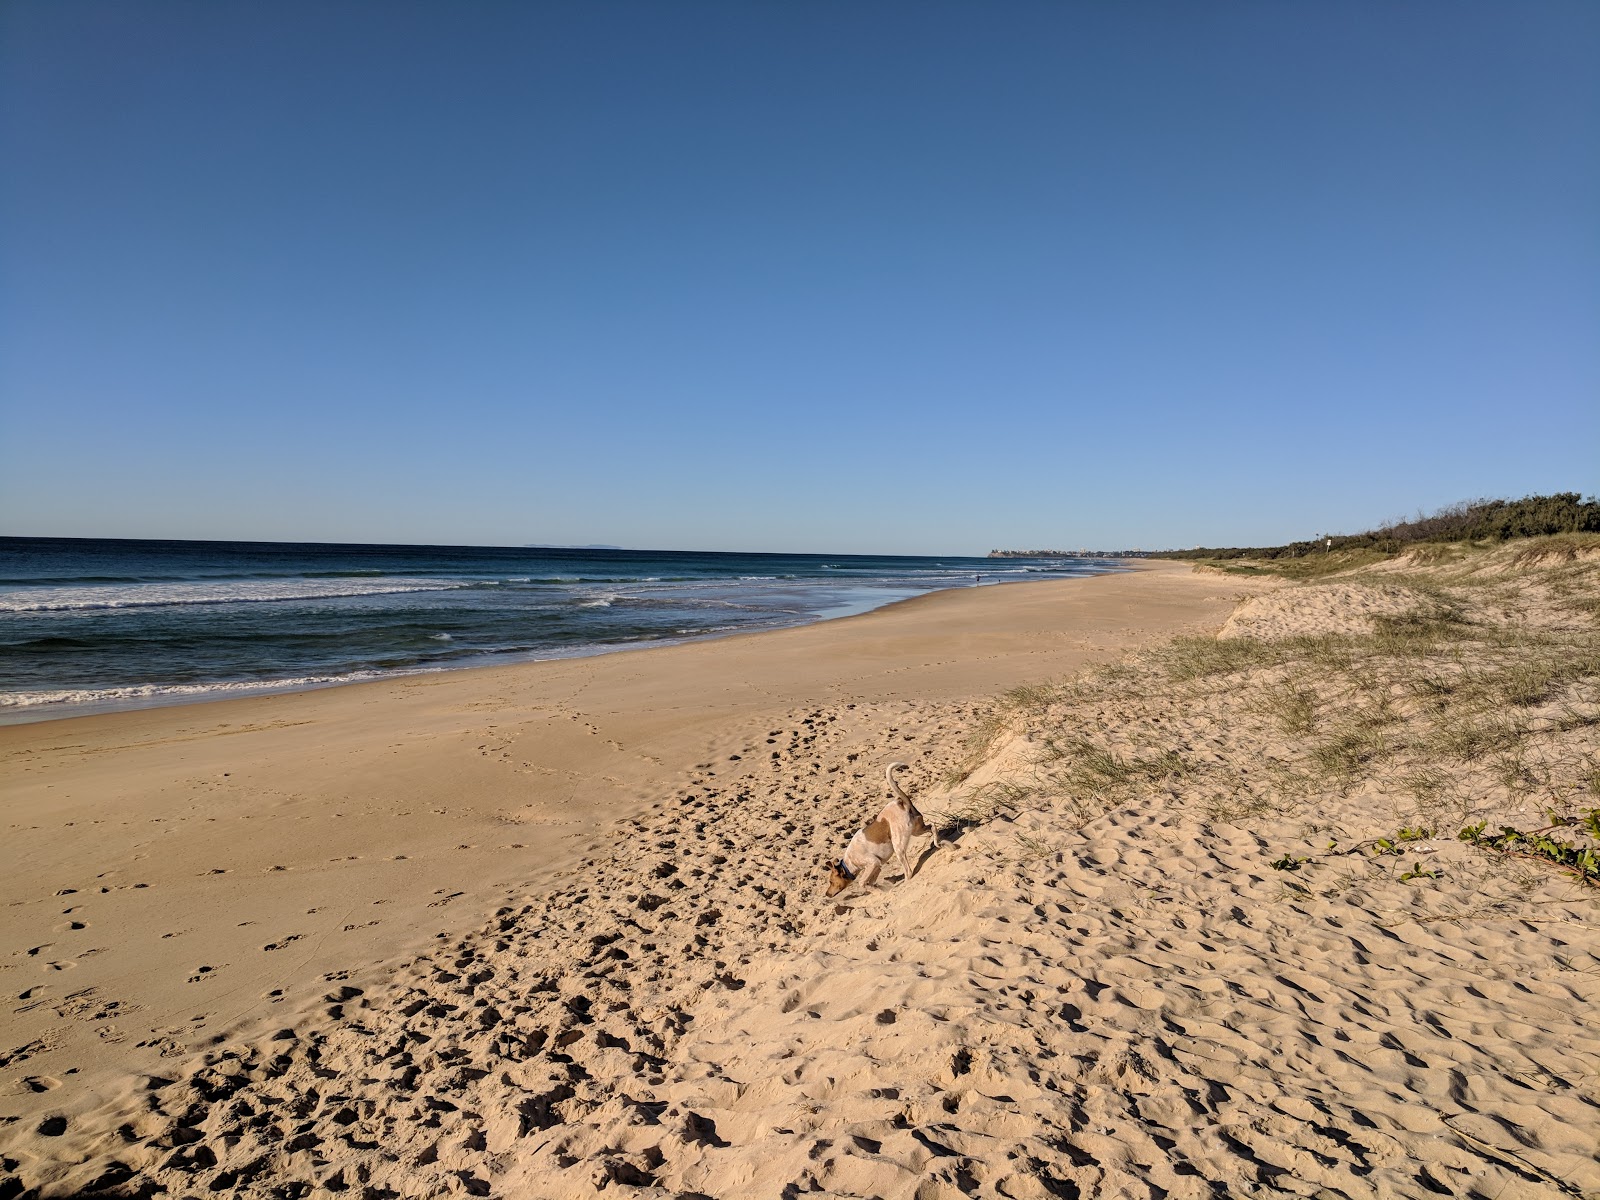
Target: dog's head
{"points": [[838, 878]]}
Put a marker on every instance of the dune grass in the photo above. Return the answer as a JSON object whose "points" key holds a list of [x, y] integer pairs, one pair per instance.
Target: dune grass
{"points": [[1484, 694]]}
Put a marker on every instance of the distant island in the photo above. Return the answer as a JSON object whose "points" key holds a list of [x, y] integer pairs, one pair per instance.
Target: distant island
{"points": [[552, 546], [1067, 553]]}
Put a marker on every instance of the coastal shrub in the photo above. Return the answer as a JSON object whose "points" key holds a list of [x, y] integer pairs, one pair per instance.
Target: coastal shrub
{"points": [[1418, 871], [1487, 520], [1579, 859]]}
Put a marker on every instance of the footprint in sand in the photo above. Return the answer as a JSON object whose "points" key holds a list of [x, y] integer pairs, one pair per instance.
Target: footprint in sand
{"points": [[201, 972], [282, 942]]}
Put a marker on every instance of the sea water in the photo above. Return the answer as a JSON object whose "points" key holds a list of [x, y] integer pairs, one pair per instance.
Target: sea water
{"points": [[88, 625]]}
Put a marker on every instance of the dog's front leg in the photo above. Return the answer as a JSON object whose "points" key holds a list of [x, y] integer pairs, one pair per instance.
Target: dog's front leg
{"points": [[902, 850]]}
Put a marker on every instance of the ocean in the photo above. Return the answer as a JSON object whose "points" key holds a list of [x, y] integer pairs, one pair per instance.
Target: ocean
{"points": [[88, 625]]}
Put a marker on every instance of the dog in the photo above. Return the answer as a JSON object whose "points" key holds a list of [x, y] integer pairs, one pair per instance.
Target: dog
{"points": [[889, 835]]}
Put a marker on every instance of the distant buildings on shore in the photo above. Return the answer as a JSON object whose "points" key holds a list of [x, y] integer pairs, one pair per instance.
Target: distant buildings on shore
{"points": [[1068, 554]]}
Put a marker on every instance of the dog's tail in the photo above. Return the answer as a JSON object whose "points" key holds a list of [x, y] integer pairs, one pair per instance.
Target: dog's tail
{"points": [[888, 773], [919, 824]]}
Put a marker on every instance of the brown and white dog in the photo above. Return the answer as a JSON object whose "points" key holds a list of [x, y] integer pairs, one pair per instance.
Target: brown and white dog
{"points": [[888, 836]]}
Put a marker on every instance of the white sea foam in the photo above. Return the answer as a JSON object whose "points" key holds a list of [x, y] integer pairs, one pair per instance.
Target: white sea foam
{"points": [[158, 691], [232, 591]]}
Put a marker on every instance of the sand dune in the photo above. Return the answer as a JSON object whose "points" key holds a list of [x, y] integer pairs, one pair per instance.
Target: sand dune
{"points": [[1099, 984], [1337, 608]]}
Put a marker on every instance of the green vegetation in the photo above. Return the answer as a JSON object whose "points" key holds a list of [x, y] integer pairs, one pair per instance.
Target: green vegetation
{"points": [[1468, 521], [1581, 861]]}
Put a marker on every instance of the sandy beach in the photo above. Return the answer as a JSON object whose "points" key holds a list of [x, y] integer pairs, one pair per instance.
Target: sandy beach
{"points": [[558, 929], [178, 875]]}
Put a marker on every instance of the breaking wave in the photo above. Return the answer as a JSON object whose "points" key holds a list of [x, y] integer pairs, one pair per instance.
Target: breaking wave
{"points": [[156, 595], [176, 691]]}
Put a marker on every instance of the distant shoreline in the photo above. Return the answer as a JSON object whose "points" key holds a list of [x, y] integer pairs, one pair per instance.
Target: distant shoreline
{"points": [[436, 595]]}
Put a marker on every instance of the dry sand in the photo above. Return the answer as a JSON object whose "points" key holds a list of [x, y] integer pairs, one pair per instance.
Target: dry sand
{"points": [[177, 876], [565, 931]]}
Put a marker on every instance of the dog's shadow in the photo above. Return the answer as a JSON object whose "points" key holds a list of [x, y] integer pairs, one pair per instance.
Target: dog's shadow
{"points": [[948, 835], [916, 867]]}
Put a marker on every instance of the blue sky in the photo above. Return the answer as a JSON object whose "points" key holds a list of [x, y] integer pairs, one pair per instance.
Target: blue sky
{"points": [[914, 277]]}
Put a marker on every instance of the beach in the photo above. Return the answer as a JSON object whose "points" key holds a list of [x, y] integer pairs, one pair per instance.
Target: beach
{"points": [[168, 870], [557, 928]]}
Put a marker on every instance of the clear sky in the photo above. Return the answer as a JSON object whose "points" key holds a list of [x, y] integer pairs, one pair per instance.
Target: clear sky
{"points": [[896, 277]]}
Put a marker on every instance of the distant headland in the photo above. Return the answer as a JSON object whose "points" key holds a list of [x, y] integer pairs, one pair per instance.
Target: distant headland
{"points": [[1067, 554]]}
